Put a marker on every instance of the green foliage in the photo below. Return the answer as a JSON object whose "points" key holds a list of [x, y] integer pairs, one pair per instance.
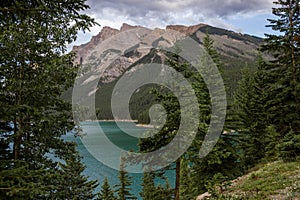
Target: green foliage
{"points": [[5, 129], [275, 180], [123, 188], [267, 101], [208, 44], [289, 149], [284, 71], [34, 73], [220, 165], [194, 174], [250, 112], [106, 192], [218, 31], [267, 110], [164, 192], [218, 183], [271, 141], [18, 181], [223, 160], [283, 76], [186, 183], [151, 191], [173, 119], [75, 185]]}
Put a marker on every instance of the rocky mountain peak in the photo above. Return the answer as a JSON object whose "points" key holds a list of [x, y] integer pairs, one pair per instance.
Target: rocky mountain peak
{"points": [[100, 51], [126, 27], [187, 30], [108, 32], [83, 49], [104, 34], [108, 57]]}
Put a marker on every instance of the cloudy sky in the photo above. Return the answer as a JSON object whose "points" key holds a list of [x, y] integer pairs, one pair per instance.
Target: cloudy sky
{"points": [[245, 16]]}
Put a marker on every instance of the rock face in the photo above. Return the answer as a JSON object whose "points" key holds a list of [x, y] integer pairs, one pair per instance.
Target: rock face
{"points": [[126, 27], [187, 30], [105, 33], [112, 52], [206, 195], [82, 50]]}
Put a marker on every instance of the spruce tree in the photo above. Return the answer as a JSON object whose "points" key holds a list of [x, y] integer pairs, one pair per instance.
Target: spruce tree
{"points": [[123, 188], [171, 104], [164, 191], [222, 160], [76, 185], [284, 71], [149, 190], [251, 113], [185, 180], [152, 191], [34, 72], [106, 193], [223, 156]]}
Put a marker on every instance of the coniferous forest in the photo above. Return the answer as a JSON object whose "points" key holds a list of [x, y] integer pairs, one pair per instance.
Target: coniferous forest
{"points": [[261, 138]]}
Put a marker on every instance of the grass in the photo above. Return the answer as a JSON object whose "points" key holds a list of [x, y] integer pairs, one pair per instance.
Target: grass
{"points": [[276, 180]]}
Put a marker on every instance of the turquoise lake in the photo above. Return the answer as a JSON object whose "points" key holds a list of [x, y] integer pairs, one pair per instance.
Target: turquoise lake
{"points": [[95, 169]]}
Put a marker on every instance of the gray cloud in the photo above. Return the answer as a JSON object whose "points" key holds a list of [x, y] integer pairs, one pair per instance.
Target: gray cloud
{"points": [[214, 8], [232, 7], [159, 13]]}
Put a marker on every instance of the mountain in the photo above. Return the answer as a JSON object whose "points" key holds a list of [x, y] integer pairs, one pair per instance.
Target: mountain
{"points": [[114, 52]]}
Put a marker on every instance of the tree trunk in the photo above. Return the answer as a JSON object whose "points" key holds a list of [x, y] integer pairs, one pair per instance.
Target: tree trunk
{"points": [[17, 140], [177, 184], [18, 126]]}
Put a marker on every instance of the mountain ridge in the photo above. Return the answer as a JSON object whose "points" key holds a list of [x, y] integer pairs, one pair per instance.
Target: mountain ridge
{"points": [[230, 44], [113, 52], [107, 31]]}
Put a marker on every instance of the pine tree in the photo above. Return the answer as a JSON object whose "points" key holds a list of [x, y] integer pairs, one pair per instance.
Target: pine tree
{"points": [[271, 142], [208, 44], [223, 159], [289, 148], [223, 155], [76, 185], [34, 73], [106, 192], [171, 104], [284, 70], [250, 108], [149, 190], [185, 180], [123, 188], [152, 191], [164, 192]]}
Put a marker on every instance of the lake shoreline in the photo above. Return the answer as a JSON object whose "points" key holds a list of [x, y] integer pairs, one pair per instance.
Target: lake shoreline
{"points": [[145, 125], [113, 120], [124, 120]]}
